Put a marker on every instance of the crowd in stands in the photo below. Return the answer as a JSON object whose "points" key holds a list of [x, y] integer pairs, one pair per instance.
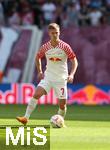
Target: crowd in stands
{"points": [[64, 12], [91, 49]]}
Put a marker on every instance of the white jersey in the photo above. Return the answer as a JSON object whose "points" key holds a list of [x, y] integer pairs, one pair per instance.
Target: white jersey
{"points": [[56, 68]]}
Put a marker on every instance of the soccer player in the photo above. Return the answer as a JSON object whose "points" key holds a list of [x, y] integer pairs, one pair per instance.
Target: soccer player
{"points": [[56, 74]]}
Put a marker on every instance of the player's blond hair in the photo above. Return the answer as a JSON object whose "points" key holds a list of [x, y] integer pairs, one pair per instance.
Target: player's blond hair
{"points": [[53, 26]]}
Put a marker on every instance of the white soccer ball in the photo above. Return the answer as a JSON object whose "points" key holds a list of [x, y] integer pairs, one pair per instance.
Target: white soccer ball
{"points": [[57, 121]]}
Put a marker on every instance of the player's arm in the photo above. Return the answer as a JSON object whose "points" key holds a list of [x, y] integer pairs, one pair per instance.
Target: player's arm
{"points": [[39, 68], [74, 65], [38, 62]]}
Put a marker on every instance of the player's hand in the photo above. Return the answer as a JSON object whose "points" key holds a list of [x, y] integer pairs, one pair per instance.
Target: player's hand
{"points": [[70, 79], [40, 75]]}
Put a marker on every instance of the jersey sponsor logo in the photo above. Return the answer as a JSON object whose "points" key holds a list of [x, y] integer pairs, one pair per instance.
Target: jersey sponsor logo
{"points": [[55, 59]]}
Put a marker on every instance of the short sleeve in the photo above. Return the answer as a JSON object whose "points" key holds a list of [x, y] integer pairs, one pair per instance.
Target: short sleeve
{"points": [[70, 53], [41, 52]]}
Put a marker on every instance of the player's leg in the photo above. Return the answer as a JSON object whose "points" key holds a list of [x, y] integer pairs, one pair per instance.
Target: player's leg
{"points": [[42, 89], [62, 107], [61, 93], [32, 104]]}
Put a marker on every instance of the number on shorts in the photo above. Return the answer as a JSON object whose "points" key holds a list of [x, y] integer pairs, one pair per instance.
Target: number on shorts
{"points": [[62, 90]]}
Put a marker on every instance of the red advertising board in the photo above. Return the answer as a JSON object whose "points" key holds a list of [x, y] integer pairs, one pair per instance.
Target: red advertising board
{"points": [[22, 93]]}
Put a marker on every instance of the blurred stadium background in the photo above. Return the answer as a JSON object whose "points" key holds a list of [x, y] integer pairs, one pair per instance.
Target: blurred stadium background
{"points": [[85, 25]]}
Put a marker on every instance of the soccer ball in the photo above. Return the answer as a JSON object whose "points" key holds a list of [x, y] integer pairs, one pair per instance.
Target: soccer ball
{"points": [[57, 121]]}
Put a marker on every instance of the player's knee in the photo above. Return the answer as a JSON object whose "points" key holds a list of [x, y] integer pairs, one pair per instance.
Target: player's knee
{"points": [[62, 106], [37, 95]]}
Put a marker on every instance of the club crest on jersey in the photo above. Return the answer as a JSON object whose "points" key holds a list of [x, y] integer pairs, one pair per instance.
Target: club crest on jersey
{"points": [[55, 59]]}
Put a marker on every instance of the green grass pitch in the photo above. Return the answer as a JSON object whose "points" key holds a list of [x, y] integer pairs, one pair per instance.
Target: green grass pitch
{"points": [[88, 127]]}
